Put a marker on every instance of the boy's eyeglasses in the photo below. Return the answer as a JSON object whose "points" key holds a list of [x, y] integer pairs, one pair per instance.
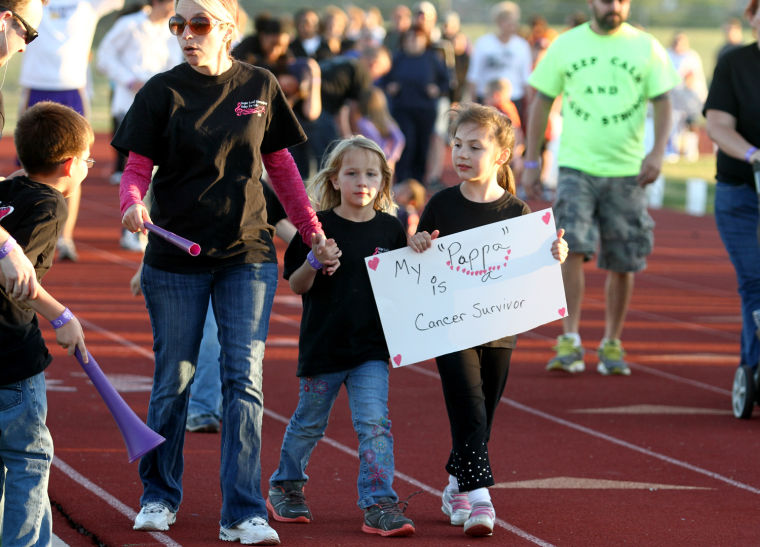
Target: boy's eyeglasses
{"points": [[89, 162], [199, 24], [30, 32]]}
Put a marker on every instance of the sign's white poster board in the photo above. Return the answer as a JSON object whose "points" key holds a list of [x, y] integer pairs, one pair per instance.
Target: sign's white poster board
{"points": [[469, 288]]}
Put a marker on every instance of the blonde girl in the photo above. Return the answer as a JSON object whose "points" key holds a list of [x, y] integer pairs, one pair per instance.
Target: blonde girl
{"points": [[473, 380], [341, 340]]}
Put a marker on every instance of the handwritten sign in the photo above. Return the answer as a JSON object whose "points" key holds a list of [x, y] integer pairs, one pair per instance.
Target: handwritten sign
{"points": [[469, 288]]}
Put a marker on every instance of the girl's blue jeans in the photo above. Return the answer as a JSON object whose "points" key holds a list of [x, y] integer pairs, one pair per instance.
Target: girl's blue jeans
{"points": [[242, 299], [736, 215], [367, 388]]}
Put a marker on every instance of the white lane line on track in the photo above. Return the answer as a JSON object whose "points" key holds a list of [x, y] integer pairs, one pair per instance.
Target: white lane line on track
{"points": [[122, 508], [614, 440], [411, 480]]}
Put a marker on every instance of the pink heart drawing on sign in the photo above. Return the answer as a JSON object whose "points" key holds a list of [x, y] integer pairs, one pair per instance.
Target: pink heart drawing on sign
{"points": [[397, 359], [373, 262], [547, 217], [562, 312], [5, 210]]}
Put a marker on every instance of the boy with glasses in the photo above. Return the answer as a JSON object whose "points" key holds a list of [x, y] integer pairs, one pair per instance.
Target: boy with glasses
{"points": [[53, 143]]}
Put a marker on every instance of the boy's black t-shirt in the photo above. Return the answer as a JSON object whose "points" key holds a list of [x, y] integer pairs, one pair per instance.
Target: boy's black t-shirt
{"points": [[34, 214], [207, 135], [735, 89], [450, 212], [340, 325]]}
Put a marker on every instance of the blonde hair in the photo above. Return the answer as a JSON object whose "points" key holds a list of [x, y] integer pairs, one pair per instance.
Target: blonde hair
{"points": [[501, 131], [321, 190], [225, 11]]}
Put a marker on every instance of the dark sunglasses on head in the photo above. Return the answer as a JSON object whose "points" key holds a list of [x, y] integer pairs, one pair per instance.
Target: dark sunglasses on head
{"points": [[30, 32], [199, 24]]}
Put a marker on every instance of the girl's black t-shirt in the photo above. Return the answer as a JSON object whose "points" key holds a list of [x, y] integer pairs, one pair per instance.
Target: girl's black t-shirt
{"points": [[340, 324], [735, 89], [450, 212], [34, 214], [207, 135]]}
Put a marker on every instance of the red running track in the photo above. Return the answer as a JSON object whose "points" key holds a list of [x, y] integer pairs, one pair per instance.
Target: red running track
{"points": [[654, 459]]}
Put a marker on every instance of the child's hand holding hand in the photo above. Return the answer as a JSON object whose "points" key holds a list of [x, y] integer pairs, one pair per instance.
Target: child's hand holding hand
{"points": [[422, 241], [327, 252], [559, 247]]}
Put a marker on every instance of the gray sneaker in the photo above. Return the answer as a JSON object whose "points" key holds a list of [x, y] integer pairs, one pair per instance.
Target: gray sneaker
{"points": [[202, 423], [569, 357], [611, 359]]}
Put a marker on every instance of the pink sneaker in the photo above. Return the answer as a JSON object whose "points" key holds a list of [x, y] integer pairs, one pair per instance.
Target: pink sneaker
{"points": [[481, 520], [456, 506]]}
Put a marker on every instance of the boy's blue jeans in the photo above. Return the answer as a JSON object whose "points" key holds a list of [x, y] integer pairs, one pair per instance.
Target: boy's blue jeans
{"points": [[206, 390], [367, 388], [736, 215], [26, 451], [242, 298]]}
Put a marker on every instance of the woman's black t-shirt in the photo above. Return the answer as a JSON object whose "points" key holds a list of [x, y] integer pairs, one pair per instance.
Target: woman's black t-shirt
{"points": [[207, 135], [340, 324], [735, 89], [450, 212]]}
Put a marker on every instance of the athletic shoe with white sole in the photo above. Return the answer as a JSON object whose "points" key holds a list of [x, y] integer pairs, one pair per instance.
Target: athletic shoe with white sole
{"points": [[569, 357], [254, 531], [481, 519], [456, 506], [154, 516], [611, 359]]}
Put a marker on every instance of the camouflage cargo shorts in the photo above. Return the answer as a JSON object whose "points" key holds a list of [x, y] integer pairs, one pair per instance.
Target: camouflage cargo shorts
{"points": [[610, 212]]}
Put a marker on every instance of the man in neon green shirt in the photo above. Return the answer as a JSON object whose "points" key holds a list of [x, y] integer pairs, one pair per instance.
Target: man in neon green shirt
{"points": [[607, 71]]}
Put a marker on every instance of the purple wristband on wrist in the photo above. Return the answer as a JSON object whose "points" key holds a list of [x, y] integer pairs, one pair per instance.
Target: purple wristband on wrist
{"points": [[530, 164], [751, 150], [62, 319], [313, 262], [7, 247]]}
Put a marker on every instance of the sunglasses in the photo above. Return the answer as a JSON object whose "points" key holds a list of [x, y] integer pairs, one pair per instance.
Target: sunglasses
{"points": [[30, 32], [199, 24], [90, 162]]}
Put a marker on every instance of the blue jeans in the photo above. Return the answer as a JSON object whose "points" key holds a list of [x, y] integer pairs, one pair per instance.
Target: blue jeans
{"points": [[206, 389], [736, 214], [367, 387], [26, 451], [242, 299]]}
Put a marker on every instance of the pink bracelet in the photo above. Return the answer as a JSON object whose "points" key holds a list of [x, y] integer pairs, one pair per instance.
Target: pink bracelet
{"points": [[62, 319], [7, 247]]}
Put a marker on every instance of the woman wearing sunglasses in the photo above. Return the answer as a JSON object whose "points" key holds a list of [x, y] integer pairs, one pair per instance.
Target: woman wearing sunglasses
{"points": [[209, 124]]}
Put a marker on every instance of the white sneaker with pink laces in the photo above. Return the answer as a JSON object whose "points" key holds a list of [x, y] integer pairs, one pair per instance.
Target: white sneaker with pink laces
{"points": [[481, 519], [456, 506]]}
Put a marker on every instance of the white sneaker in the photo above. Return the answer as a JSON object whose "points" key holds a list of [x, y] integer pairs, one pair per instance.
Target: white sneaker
{"points": [[481, 519], [154, 516], [133, 241], [254, 531], [456, 506]]}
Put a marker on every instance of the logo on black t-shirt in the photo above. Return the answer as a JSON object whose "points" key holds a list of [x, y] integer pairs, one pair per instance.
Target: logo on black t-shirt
{"points": [[5, 210], [246, 108]]}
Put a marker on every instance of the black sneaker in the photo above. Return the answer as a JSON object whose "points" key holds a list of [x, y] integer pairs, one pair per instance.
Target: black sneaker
{"points": [[287, 502], [387, 519]]}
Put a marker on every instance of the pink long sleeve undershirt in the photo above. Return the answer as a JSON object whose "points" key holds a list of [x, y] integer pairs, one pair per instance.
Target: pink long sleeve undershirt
{"points": [[282, 171]]}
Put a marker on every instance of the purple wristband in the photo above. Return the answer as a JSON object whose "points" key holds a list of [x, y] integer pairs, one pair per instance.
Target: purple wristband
{"points": [[7, 247], [751, 150], [62, 319], [313, 262]]}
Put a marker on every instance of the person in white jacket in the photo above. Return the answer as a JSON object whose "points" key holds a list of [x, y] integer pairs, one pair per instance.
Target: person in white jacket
{"points": [[54, 68], [135, 48]]}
